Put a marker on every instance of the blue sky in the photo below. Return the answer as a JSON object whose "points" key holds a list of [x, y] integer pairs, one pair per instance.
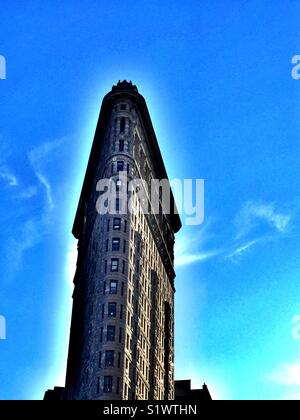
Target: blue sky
{"points": [[217, 79]]}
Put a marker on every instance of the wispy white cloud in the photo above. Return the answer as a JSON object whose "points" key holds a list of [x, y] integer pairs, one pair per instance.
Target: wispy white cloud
{"points": [[29, 231], [5, 172], [255, 223], [25, 237], [286, 374], [38, 158], [11, 179], [241, 250], [258, 219], [8, 176], [28, 192], [46, 184], [253, 214], [197, 239], [42, 152], [193, 248], [187, 259]]}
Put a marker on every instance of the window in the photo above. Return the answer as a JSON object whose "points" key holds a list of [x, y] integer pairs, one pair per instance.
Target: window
{"points": [[118, 185], [120, 166], [137, 268], [124, 246], [128, 318], [122, 289], [118, 204], [112, 310], [123, 267], [115, 244], [101, 334], [123, 107], [121, 145], [122, 125], [102, 310], [106, 246], [120, 335], [127, 342], [100, 360], [98, 385], [114, 264], [118, 386], [105, 266], [121, 312], [104, 287], [109, 358], [113, 287], [125, 226], [110, 334], [117, 223], [108, 222], [119, 360], [108, 384]]}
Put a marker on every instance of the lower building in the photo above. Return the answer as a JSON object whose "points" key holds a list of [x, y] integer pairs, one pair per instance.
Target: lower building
{"points": [[184, 393]]}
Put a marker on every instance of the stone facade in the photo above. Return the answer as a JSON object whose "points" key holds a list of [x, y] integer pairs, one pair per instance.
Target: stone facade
{"points": [[122, 331]]}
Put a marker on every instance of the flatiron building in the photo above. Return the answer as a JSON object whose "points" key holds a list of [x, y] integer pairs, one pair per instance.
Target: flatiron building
{"points": [[122, 329]]}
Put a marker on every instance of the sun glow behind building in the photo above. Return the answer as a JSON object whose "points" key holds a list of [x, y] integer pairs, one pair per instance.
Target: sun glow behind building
{"points": [[224, 107]]}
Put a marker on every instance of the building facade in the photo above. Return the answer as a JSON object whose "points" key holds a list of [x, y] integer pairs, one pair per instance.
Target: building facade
{"points": [[122, 330]]}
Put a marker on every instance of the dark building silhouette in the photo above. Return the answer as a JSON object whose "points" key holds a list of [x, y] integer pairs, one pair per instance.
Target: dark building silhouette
{"points": [[184, 393], [122, 330], [56, 394]]}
